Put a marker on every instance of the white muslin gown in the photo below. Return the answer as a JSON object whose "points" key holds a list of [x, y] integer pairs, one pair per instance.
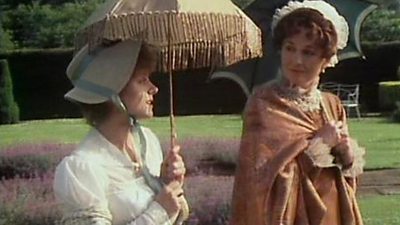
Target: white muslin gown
{"points": [[97, 184]]}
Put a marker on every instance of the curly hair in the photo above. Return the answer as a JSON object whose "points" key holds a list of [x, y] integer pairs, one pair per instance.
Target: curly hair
{"points": [[318, 28]]}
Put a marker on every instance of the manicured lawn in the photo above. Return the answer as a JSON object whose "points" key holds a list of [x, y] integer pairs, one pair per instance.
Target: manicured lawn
{"points": [[63, 131], [380, 210], [380, 137], [73, 130]]}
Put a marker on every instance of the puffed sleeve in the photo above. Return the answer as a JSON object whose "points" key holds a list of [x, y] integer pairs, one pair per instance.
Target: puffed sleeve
{"points": [[81, 187]]}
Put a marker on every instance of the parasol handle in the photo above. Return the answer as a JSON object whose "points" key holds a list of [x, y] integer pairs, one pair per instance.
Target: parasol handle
{"points": [[171, 91], [171, 113]]}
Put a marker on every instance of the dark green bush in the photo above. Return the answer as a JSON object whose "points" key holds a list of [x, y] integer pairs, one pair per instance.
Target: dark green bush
{"points": [[389, 94], [40, 83], [37, 25], [5, 39], [9, 111], [382, 25], [24, 166]]}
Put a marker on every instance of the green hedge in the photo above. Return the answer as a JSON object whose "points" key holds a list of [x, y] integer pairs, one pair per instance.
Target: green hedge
{"points": [[9, 111], [40, 83], [380, 64], [389, 94]]}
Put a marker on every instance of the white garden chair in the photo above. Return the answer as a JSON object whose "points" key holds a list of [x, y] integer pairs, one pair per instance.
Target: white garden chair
{"points": [[348, 94]]}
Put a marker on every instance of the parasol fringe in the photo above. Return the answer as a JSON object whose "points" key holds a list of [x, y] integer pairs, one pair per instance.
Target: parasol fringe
{"points": [[194, 37]]}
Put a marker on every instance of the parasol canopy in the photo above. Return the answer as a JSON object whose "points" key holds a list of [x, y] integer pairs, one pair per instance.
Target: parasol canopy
{"points": [[194, 33], [188, 34]]}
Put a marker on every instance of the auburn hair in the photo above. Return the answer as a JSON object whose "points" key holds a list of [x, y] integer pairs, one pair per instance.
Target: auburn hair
{"points": [[318, 28]]}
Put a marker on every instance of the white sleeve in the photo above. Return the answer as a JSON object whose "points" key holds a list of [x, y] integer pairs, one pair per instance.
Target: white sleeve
{"points": [[81, 187], [155, 214]]}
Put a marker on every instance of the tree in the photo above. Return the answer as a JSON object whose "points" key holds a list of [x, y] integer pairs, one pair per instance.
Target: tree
{"points": [[382, 25], [5, 39], [46, 26], [9, 111]]}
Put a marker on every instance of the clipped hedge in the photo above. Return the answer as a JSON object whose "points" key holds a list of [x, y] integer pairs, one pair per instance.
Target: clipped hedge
{"points": [[368, 72], [9, 111], [40, 83], [389, 94]]}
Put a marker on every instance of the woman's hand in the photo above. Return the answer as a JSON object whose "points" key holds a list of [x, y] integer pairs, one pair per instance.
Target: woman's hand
{"points": [[344, 152], [169, 198], [173, 167], [330, 133]]}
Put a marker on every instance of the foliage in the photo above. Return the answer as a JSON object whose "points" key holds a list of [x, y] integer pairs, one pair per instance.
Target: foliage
{"points": [[389, 93], [12, 4], [28, 161], [31, 200], [199, 152], [9, 111], [40, 82], [28, 201], [5, 39], [378, 135], [382, 25], [44, 26], [209, 198]]}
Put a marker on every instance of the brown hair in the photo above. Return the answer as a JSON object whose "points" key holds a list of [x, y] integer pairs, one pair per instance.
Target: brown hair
{"points": [[95, 114], [319, 28]]}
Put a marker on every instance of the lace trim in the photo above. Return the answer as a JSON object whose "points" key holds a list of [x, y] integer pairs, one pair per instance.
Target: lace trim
{"points": [[307, 102], [320, 153]]}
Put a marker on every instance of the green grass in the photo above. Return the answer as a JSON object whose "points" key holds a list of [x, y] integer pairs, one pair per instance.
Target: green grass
{"points": [[63, 131], [382, 210], [198, 126], [380, 137], [73, 130]]}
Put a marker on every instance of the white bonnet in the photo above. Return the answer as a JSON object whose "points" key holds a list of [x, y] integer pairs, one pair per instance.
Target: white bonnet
{"points": [[328, 11]]}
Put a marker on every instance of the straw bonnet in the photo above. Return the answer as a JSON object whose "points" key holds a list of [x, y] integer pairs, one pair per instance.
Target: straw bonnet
{"points": [[100, 76]]}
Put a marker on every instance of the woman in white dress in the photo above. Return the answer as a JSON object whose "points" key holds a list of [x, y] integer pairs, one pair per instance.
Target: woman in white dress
{"points": [[117, 174]]}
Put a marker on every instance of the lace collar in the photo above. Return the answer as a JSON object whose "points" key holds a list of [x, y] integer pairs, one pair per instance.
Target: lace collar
{"points": [[307, 102]]}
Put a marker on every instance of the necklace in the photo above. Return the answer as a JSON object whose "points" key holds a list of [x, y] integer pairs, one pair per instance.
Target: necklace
{"points": [[306, 102]]}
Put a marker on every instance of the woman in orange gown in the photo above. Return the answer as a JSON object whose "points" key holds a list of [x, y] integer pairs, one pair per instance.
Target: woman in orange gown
{"points": [[297, 163]]}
